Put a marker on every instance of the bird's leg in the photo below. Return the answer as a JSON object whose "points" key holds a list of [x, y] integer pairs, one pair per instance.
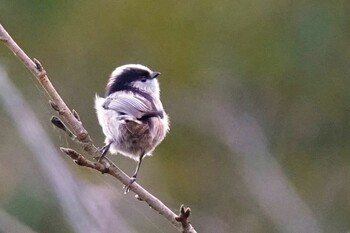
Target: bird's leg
{"points": [[133, 178], [104, 150]]}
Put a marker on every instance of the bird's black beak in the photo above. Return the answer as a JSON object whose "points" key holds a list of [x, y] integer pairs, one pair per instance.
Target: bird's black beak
{"points": [[154, 74]]}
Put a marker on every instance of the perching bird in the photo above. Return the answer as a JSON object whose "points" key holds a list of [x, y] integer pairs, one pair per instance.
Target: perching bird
{"points": [[131, 114]]}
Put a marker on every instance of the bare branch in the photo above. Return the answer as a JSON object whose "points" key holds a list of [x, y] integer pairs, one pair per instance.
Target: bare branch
{"points": [[83, 139]]}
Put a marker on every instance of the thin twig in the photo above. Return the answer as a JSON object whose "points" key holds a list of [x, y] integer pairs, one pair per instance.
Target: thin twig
{"points": [[81, 134]]}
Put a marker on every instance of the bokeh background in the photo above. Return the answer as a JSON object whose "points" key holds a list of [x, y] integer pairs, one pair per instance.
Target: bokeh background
{"points": [[258, 93]]}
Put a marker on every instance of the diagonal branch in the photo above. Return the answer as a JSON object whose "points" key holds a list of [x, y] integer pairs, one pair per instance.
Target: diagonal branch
{"points": [[82, 138]]}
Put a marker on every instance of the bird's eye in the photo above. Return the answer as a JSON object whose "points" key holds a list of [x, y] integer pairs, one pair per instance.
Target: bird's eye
{"points": [[143, 80]]}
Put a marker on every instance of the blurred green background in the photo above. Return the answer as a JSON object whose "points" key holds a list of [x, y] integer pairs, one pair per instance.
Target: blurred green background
{"points": [[282, 67]]}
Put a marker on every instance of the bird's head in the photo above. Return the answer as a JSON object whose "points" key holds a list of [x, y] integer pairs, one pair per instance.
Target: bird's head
{"points": [[131, 77]]}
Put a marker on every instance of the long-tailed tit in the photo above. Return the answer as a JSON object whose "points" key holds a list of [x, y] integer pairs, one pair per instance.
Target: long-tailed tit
{"points": [[131, 114]]}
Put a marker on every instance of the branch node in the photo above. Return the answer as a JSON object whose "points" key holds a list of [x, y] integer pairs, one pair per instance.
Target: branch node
{"points": [[54, 106], [38, 65], [42, 73], [183, 217], [59, 124], [76, 115]]}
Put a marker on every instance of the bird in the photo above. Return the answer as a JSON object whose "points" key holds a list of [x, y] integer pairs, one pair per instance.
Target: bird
{"points": [[131, 114]]}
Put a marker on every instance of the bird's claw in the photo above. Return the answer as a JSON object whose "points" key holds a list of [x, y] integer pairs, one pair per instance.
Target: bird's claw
{"points": [[102, 155], [104, 151], [127, 187]]}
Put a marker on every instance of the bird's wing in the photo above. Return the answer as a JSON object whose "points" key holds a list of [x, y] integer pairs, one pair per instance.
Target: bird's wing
{"points": [[129, 106]]}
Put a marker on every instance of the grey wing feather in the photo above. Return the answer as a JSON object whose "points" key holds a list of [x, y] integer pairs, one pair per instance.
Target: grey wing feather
{"points": [[130, 105]]}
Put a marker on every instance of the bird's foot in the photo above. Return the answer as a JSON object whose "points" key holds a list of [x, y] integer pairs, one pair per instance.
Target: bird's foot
{"points": [[104, 151], [127, 187]]}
